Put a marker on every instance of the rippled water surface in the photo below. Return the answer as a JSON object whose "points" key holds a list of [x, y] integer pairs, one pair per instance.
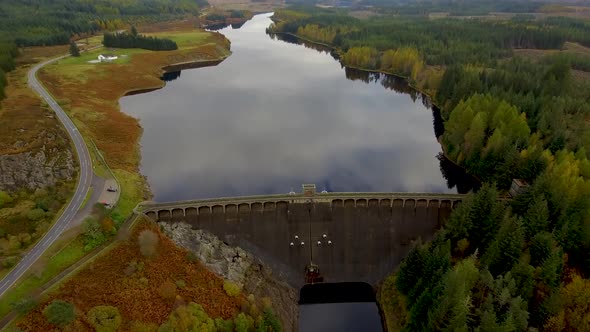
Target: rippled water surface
{"points": [[275, 115]]}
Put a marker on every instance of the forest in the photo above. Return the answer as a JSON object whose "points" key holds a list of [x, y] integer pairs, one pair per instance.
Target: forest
{"points": [[454, 8], [135, 40], [39, 22], [497, 264]]}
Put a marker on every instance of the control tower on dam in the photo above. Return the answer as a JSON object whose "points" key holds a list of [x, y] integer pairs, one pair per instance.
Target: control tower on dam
{"points": [[350, 236]]}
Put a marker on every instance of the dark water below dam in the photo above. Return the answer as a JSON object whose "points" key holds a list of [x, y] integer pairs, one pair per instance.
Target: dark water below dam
{"points": [[278, 113]]}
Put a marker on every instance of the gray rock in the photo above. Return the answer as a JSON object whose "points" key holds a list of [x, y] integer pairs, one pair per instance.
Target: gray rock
{"points": [[238, 266], [33, 170]]}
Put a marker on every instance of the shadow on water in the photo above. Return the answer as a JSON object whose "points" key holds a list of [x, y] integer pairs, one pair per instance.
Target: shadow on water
{"points": [[297, 41], [457, 177], [220, 26], [170, 76]]}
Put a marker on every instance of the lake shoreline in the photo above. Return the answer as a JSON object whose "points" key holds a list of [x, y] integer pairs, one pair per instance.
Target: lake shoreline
{"points": [[119, 136], [430, 97]]}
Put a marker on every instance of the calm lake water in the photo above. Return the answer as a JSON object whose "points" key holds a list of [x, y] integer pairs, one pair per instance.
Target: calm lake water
{"points": [[275, 115]]}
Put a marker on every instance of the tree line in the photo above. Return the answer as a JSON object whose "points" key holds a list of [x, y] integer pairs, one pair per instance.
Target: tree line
{"points": [[39, 22], [135, 40], [440, 42], [8, 51]]}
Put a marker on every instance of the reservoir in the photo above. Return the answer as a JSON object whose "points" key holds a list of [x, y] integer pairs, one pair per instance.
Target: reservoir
{"points": [[277, 114]]}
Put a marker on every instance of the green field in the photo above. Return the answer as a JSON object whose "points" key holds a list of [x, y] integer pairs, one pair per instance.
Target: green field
{"points": [[71, 253]]}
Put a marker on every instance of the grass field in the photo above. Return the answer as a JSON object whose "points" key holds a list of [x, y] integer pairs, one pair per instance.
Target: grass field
{"points": [[52, 263], [185, 39], [90, 93]]}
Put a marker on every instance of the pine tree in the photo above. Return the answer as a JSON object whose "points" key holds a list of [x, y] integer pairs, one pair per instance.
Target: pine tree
{"points": [[506, 248], [74, 50]]}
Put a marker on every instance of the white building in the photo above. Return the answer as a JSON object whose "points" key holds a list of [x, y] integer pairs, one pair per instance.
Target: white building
{"points": [[107, 57]]}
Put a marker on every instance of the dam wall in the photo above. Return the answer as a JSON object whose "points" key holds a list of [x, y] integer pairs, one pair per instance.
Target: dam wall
{"points": [[349, 238]]}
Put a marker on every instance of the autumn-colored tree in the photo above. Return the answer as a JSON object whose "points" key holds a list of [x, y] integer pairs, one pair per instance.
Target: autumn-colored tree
{"points": [[575, 307], [148, 242], [405, 61], [167, 290], [361, 57], [320, 34], [231, 288], [191, 317], [243, 323], [107, 225], [104, 318], [5, 198], [223, 325]]}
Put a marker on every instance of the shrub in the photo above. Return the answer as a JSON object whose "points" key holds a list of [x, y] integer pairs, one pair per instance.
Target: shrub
{"points": [[270, 322], [60, 313], [167, 290], [25, 305], [243, 323], [231, 288], [93, 234], [104, 318], [36, 214], [4, 198], [192, 257], [148, 242], [189, 317], [180, 284], [224, 325], [108, 226]]}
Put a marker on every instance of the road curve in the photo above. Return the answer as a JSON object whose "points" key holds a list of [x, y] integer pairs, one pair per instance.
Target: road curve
{"points": [[84, 181]]}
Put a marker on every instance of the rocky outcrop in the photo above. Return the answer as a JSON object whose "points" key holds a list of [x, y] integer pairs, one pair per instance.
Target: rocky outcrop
{"points": [[238, 266], [36, 169]]}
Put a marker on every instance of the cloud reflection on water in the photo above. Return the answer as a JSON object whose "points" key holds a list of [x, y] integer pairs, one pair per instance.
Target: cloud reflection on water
{"points": [[275, 115]]}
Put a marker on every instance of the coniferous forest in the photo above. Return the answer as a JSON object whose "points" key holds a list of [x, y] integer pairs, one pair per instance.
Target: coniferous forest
{"points": [[135, 40], [497, 264]]}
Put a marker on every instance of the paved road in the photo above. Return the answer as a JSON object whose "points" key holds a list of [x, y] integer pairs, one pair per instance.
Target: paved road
{"points": [[84, 182]]}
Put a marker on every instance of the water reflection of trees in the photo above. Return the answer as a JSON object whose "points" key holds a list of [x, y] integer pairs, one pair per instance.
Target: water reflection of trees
{"points": [[456, 176], [297, 41], [170, 76]]}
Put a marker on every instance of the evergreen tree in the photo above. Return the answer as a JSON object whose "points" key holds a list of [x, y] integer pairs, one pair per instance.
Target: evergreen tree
{"points": [[541, 247], [74, 50], [506, 248]]}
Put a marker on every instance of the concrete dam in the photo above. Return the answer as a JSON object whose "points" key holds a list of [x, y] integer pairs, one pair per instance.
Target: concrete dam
{"points": [[350, 236]]}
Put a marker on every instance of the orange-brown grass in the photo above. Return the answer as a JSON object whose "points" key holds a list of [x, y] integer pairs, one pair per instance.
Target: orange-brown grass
{"points": [[106, 282], [22, 118], [91, 94]]}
